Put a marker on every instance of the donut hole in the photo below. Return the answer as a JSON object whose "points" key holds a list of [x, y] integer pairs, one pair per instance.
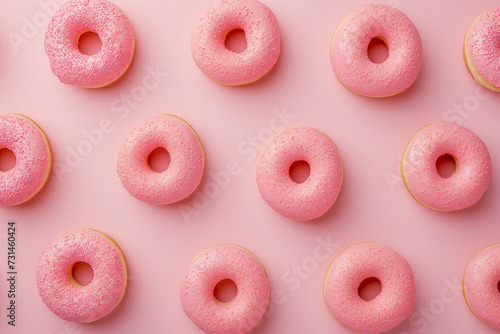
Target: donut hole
{"points": [[7, 159], [378, 51], [159, 160], [369, 288], [89, 43], [446, 165], [235, 40], [225, 291], [498, 286], [300, 171], [81, 273]]}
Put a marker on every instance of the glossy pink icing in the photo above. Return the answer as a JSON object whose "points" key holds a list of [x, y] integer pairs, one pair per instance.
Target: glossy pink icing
{"points": [[312, 198], [464, 187], [86, 303], [187, 160], [483, 40], [349, 51], [389, 308], [262, 34], [33, 159], [115, 32], [481, 278], [212, 266]]}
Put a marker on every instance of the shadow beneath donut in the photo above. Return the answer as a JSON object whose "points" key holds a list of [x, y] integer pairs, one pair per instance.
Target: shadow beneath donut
{"points": [[469, 215], [117, 314], [398, 103], [198, 201], [261, 326], [40, 198], [338, 208]]}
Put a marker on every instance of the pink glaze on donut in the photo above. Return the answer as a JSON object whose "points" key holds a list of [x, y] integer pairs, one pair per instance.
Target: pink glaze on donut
{"points": [[72, 301], [473, 167], [349, 51], [262, 35], [312, 198], [389, 308], [33, 159], [187, 160], [212, 266], [115, 32], [482, 47], [480, 285]]}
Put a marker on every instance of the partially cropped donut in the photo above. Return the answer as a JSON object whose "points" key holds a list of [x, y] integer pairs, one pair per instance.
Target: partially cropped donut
{"points": [[349, 51], [112, 26], [482, 51], [187, 160], [313, 197], [30, 146], [205, 271], [262, 35], [473, 167], [389, 308], [59, 290], [480, 285]]}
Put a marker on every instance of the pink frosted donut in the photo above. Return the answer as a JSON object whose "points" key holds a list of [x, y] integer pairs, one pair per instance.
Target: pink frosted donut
{"points": [[470, 179], [481, 49], [349, 51], [480, 285], [187, 160], [346, 273], [262, 34], [59, 290], [212, 266], [31, 148], [313, 197], [73, 19]]}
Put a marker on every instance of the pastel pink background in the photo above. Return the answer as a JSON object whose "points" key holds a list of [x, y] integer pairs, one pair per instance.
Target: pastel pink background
{"points": [[158, 242]]}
